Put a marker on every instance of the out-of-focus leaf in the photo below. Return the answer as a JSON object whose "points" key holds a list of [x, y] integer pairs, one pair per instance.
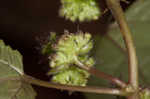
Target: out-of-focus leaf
{"points": [[139, 11], [110, 59], [10, 67], [141, 36]]}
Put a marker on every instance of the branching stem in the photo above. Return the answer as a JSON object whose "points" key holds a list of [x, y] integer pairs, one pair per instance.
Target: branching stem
{"points": [[117, 11], [97, 90], [118, 14], [101, 74]]}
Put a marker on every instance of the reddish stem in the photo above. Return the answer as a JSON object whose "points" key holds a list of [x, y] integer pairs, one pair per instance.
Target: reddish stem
{"points": [[88, 89], [100, 74], [118, 14]]}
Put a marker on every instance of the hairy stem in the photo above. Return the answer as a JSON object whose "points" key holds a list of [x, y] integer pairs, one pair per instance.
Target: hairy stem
{"points": [[117, 12], [101, 74], [97, 90]]}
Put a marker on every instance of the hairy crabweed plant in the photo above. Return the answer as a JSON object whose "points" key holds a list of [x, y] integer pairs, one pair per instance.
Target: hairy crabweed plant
{"points": [[70, 53], [71, 50]]}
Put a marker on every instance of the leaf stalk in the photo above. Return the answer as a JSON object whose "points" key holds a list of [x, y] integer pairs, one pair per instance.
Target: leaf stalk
{"points": [[89, 89], [114, 6], [100, 74]]}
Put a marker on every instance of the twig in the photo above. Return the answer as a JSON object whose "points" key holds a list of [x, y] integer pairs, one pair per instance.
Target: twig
{"points": [[97, 90], [100, 74], [89, 89], [117, 12]]}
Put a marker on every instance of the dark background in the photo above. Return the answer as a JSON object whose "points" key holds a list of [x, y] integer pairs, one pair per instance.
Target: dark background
{"points": [[23, 21]]}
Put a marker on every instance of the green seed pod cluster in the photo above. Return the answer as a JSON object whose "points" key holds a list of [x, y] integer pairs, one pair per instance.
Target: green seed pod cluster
{"points": [[71, 76], [145, 94], [71, 49], [82, 10]]}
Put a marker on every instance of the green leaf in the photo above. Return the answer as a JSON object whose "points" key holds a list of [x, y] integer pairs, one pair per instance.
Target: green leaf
{"points": [[140, 32], [139, 11], [112, 60], [11, 67], [109, 59]]}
